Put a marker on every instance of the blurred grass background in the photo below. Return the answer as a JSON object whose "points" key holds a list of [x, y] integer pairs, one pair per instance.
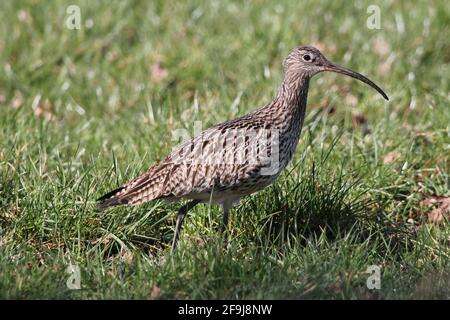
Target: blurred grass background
{"points": [[82, 111]]}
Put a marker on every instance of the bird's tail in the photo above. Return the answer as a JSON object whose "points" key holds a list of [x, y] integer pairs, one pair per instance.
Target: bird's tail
{"points": [[111, 199], [145, 188]]}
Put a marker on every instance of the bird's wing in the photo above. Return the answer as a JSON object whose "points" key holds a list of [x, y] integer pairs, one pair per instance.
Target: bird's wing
{"points": [[226, 156]]}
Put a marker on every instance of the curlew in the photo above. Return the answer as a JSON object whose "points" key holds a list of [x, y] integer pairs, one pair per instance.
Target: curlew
{"points": [[238, 157]]}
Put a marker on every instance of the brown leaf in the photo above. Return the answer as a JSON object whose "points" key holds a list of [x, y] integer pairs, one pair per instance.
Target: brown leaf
{"points": [[105, 240], [435, 216], [155, 292], [199, 241], [337, 287], [385, 67], [435, 199], [159, 73], [329, 48], [44, 109], [24, 16], [127, 256], [391, 157], [49, 245], [10, 214], [442, 206], [358, 119], [351, 100], [17, 101], [381, 46]]}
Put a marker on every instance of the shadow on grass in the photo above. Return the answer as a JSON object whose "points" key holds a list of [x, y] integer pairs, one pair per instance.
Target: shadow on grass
{"points": [[8, 209], [316, 204]]}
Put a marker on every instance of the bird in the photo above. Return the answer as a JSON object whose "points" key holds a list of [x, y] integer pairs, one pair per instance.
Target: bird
{"points": [[235, 158]]}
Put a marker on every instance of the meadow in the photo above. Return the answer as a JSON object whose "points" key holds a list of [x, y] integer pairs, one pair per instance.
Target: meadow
{"points": [[84, 110]]}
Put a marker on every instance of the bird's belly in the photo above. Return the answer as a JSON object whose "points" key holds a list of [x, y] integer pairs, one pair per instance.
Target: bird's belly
{"points": [[231, 192], [230, 196]]}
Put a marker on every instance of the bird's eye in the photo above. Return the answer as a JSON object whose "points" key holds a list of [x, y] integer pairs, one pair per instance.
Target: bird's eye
{"points": [[307, 58]]}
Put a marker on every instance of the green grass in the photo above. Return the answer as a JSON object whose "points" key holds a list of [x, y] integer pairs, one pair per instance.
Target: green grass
{"points": [[80, 114]]}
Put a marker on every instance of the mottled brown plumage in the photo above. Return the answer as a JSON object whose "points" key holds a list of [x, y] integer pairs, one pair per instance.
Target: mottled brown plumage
{"points": [[237, 157]]}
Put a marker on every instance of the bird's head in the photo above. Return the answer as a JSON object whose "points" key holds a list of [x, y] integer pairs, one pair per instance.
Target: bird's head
{"points": [[309, 61]]}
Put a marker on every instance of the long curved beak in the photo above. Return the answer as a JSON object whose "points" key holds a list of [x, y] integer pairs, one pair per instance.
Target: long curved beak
{"points": [[338, 69]]}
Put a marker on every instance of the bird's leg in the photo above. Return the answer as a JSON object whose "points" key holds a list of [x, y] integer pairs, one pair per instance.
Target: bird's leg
{"points": [[181, 215], [226, 211]]}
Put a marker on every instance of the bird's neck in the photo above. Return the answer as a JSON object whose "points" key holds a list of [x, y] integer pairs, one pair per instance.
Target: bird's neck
{"points": [[289, 103], [287, 111]]}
